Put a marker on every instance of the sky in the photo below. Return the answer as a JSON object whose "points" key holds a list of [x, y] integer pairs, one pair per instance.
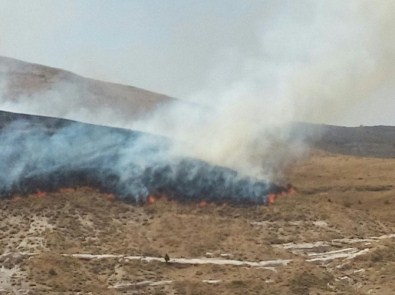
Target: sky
{"points": [[331, 61]]}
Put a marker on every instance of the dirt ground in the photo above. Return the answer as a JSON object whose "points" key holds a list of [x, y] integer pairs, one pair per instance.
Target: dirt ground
{"points": [[335, 236]]}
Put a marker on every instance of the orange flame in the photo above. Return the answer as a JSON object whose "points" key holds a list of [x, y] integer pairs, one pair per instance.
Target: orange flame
{"points": [[41, 194], [163, 198], [66, 190], [271, 198], [291, 190], [151, 200], [202, 204], [16, 199], [110, 197], [155, 198]]}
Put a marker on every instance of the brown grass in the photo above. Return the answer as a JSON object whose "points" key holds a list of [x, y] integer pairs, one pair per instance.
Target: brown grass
{"points": [[351, 196]]}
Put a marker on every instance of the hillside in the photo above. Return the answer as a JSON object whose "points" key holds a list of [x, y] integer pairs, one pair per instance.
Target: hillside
{"points": [[28, 87], [69, 233], [363, 141], [37, 89]]}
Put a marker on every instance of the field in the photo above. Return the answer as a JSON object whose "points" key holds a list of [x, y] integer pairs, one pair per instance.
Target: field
{"points": [[334, 236]]}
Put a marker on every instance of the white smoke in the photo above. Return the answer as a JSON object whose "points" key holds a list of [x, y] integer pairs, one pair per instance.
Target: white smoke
{"points": [[316, 60], [315, 65], [50, 154]]}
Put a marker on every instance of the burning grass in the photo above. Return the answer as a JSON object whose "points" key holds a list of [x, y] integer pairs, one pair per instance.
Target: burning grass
{"points": [[42, 158]]}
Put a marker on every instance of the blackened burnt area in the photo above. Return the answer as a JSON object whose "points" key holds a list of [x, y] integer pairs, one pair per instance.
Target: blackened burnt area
{"points": [[181, 179], [195, 181], [207, 183], [59, 179]]}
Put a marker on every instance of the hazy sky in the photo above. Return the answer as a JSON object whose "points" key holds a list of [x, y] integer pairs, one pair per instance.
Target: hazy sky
{"points": [[191, 49]]}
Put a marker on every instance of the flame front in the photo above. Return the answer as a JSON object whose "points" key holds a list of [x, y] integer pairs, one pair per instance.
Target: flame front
{"points": [[151, 200]]}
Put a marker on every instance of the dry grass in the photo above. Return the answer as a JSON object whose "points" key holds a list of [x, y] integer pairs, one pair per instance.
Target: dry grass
{"points": [[339, 197]]}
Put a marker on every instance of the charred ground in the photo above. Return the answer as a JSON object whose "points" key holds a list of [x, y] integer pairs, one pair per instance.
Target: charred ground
{"points": [[46, 154]]}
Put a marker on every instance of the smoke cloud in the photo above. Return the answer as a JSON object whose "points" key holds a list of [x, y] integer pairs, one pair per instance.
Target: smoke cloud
{"points": [[48, 154], [318, 60], [310, 61]]}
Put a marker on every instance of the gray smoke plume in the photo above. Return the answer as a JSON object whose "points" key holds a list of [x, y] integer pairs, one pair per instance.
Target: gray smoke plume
{"points": [[311, 61], [48, 154], [317, 60]]}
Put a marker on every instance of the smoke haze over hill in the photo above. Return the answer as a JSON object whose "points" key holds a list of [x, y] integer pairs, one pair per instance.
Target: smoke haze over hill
{"points": [[337, 55], [255, 67]]}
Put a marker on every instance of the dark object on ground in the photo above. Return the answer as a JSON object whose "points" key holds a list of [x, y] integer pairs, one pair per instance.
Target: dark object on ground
{"points": [[167, 258]]}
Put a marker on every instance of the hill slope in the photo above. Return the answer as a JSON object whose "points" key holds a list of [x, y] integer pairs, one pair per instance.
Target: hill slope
{"points": [[37, 89], [364, 141]]}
